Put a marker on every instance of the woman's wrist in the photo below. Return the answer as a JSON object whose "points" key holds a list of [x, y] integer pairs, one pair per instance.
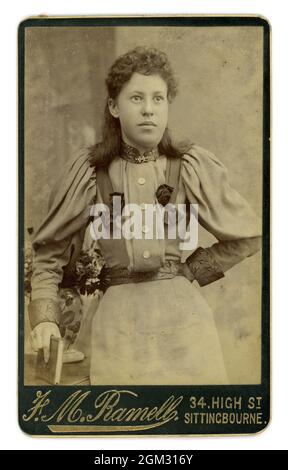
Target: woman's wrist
{"points": [[204, 267], [43, 310]]}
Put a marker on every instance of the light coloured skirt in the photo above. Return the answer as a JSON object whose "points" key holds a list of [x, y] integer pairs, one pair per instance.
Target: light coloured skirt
{"points": [[155, 333]]}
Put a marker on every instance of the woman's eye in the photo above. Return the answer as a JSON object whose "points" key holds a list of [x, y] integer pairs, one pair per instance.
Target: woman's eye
{"points": [[136, 98], [158, 99]]}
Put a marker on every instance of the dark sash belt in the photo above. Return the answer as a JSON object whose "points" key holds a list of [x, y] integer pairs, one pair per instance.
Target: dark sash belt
{"points": [[117, 276]]}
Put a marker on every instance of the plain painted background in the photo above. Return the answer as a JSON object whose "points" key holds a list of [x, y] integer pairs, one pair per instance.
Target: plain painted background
{"points": [[275, 437]]}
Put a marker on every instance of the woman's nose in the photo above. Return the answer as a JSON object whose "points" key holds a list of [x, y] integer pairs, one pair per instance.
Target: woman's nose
{"points": [[147, 108]]}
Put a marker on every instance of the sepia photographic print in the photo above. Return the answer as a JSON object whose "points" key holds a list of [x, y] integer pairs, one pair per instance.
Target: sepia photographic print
{"points": [[144, 225]]}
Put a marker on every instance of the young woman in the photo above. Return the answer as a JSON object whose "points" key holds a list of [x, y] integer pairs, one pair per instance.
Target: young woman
{"points": [[152, 326]]}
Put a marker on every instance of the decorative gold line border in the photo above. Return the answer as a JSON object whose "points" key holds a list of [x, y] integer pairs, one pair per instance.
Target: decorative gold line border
{"points": [[63, 428]]}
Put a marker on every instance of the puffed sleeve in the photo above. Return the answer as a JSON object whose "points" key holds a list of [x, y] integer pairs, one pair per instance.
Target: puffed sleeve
{"points": [[60, 236], [223, 212]]}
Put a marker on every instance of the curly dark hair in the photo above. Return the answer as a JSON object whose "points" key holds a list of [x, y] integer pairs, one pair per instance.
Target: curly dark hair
{"points": [[144, 60], [147, 61]]}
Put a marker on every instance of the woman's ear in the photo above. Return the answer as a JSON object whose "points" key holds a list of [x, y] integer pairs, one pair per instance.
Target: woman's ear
{"points": [[113, 107]]}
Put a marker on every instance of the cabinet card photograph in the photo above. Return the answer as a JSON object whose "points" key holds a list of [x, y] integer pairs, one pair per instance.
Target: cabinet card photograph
{"points": [[144, 226]]}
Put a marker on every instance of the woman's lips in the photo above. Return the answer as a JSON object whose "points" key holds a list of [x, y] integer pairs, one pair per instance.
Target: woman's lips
{"points": [[147, 124]]}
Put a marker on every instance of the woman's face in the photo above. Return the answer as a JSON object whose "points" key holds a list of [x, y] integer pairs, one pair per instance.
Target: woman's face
{"points": [[142, 108]]}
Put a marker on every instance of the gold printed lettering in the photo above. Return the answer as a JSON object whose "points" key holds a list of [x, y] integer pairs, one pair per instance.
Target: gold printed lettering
{"points": [[152, 413], [70, 407], [107, 409], [106, 403], [39, 403], [106, 406], [137, 413], [168, 409]]}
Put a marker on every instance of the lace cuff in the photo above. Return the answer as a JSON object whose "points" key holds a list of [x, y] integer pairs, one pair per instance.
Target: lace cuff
{"points": [[204, 267], [43, 310]]}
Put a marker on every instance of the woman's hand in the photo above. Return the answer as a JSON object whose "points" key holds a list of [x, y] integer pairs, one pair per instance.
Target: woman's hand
{"points": [[40, 337]]}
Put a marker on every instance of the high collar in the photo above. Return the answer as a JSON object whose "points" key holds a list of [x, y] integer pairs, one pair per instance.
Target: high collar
{"points": [[131, 154]]}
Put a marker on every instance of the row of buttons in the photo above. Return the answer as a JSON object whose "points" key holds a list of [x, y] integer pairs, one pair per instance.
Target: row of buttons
{"points": [[146, 253], [144, 206]]}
